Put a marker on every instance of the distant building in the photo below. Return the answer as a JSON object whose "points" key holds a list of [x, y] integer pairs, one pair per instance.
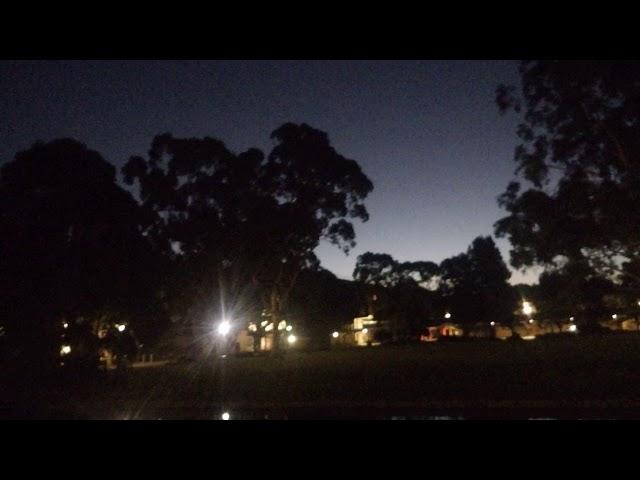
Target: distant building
{"points": [[630, 324], [621, 322], [447, 329], [362, 332], [481, 330], [254, 339]]}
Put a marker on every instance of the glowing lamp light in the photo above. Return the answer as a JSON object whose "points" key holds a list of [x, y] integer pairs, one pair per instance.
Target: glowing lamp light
{"points": [[269, 327], [225, 416], [65, 325], [291, 339], [65, 350], [335, 334], [289, 328], [224, 327], [447, 315], [365, 330], [529, 337], [573, 328], [121, 328], [571, 319], [614, 316], [492, 323], [531, 320], [527, 308]]}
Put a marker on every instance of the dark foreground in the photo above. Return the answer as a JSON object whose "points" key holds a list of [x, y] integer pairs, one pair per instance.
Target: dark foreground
{"points": [[562, 377]]}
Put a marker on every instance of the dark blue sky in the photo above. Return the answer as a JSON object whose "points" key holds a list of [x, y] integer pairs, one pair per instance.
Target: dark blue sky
{"points": [[427, 133]]}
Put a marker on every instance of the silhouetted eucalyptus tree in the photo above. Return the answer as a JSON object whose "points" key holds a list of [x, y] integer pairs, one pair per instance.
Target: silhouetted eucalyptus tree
{"points": [[580, 151], [253, 217]]}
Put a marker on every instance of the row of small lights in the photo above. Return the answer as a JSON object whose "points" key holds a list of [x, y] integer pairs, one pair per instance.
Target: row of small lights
{"points": [[337, 334], [119, 326], [66, 349], [527, 309], [615, 315], [224, 327]]}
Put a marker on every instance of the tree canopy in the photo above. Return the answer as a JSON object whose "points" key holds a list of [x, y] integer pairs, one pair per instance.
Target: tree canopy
{"points": [[381, 269], [579, 153], [249, 218], [474, 285], [71, 244]]}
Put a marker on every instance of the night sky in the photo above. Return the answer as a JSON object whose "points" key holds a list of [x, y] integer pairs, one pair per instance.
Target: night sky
{"points": [[427, 133]]}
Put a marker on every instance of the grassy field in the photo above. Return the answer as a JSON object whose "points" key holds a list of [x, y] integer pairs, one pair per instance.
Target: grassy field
{"points": [[561, 377]]}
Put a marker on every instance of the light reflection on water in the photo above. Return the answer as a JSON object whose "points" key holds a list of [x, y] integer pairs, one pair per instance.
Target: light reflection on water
{"points": [[227, 415], [244, 415]]}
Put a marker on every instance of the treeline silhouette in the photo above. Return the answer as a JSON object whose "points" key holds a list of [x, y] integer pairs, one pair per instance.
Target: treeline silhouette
{"points": [[211, 234], [200, 232]]}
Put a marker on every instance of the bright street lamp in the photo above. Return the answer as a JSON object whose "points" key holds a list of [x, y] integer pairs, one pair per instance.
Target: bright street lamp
{"points": [[224, 327], [527, 308]]}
